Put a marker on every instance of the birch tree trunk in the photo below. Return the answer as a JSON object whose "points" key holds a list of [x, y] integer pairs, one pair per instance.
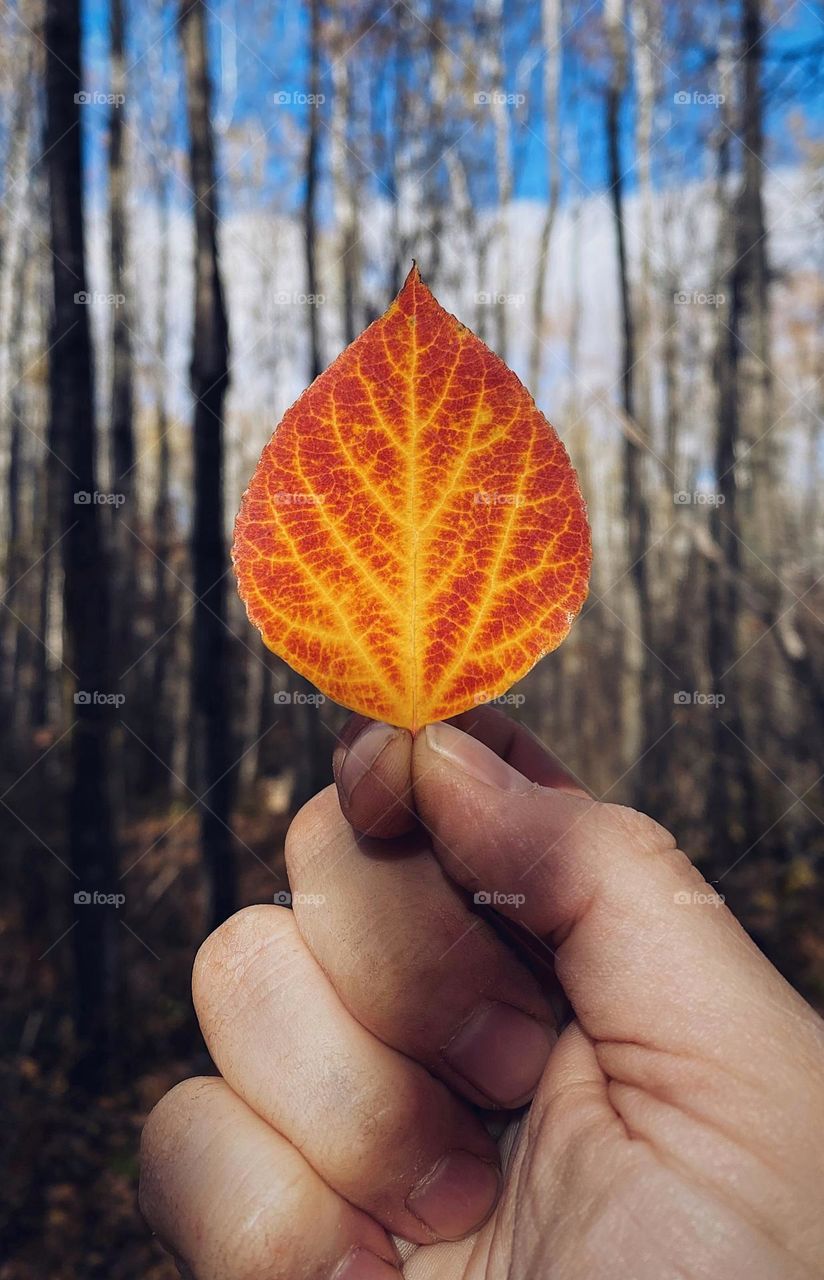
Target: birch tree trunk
{"points": [[16, 243]]}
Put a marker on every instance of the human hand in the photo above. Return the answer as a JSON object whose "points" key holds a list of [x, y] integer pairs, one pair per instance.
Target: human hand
{"points": [[676, 1127]]}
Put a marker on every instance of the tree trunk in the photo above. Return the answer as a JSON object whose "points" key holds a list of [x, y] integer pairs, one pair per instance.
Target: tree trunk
{"points": [[751, 279], [433, 206], [313, 767], [503, 168], [121, 437], [733, 800], [655, 697], [165, 595], [15, 254], [636, 512], [644, 62], [310, 191], [209, 373], [344, 191], [91, 847], [552, 46], [122, 393], [167, 683]]}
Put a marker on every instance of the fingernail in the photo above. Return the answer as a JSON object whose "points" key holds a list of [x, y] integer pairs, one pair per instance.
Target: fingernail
{"points": [[457, 1196], [501, 1051], [362, 1264], [472, 757], [363, 753]]}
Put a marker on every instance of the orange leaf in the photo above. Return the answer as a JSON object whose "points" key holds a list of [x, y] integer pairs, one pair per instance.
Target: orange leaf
{"points": [[414, 537]]}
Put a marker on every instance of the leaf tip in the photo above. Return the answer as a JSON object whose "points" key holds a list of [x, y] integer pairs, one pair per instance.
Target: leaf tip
{"points": [[412, 280]]}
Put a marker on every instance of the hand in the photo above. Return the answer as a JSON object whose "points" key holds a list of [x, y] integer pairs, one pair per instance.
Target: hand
{"points": [[677, 1124]]}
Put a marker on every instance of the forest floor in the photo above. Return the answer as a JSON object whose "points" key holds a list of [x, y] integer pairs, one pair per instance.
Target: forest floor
{"points": [[68, 1180]]}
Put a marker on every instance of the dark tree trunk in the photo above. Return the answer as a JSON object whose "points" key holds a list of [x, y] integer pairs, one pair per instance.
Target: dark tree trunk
{"points": [[91, 846], [121, 438], [311, 188], [636, 511], [345, 187], [214, 775], [314, 754], [11, 637], [634, 505], [733, 800], [13, 705], [165, 608], [47, 493], [397, 135]]}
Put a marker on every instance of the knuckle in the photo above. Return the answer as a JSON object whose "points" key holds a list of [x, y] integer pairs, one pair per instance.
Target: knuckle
{"points": [[644, 834], [226, 956], [249, 1232], [161, 1140], [188, 1142], [278, 1214], [311, 830]]}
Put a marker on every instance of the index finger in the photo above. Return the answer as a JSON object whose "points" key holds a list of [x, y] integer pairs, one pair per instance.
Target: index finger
{"points": [[373, 767]]}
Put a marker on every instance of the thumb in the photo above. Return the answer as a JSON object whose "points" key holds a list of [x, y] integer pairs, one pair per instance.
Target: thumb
{"points": [[646, 951]]}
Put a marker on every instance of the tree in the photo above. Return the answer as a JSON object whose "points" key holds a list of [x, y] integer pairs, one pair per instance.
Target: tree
{"points": [[86, 599], [552, 49], [310, 191], [209, 376], [345, 191], [636, 510], [17, 259], [490, 20], [167, 697], [742, 236], [121, 401], [312, 771]]}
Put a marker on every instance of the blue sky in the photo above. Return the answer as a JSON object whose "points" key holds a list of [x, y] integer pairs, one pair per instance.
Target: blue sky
{"points": [[258, 48]]}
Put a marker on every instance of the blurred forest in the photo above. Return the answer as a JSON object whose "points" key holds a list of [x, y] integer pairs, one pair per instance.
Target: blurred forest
{"points": [[202, 203]]}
